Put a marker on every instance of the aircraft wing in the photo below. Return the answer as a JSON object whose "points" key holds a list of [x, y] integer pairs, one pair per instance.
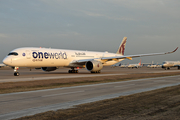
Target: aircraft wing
{"points": [[133, 56], [176, 65], [83, 61], [104, 59]]}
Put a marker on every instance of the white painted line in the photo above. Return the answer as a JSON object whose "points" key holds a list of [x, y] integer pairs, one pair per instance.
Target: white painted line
{"points": [[159, 80], [62, 94], [124, 85]]}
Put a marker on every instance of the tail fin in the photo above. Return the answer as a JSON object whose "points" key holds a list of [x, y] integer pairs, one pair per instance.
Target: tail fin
{"points": [[140, 62], [122, 46]]}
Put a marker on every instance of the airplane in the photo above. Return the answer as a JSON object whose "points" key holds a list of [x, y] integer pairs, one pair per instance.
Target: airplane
{"points": [[2, 65], [123, 66], [50, 59], [168, 64], [135, 65], [154, 66]]}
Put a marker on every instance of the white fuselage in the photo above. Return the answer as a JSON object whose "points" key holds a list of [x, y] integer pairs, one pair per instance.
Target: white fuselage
{"points": [[47, 57], [171, 63], [134, 65]]}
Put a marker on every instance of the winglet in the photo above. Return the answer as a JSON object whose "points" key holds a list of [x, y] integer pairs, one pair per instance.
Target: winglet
{"points": [[122, 47], [173, 51], [140, 62]]}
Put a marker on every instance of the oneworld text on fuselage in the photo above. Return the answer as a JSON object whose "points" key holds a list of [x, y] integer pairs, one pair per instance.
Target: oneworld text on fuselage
{"points": [[46, 55]]}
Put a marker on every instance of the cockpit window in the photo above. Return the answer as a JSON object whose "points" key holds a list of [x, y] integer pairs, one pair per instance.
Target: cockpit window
{"points": [[13, 53]]}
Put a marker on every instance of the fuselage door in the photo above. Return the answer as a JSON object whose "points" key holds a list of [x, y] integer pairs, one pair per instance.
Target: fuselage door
{"points": [[28, 54]]}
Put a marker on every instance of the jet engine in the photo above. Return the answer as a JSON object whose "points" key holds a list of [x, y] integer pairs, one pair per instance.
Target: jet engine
{"points": [[94, 66], [48, 68]]}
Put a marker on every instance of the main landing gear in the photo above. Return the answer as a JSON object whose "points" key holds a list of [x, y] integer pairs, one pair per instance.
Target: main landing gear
{"points": [[96, 71], [168, 68], [73, 71], [16, 73]]}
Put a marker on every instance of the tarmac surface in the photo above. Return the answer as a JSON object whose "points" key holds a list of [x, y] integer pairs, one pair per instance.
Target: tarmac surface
{"points": [[15, 105], [7, 75]]}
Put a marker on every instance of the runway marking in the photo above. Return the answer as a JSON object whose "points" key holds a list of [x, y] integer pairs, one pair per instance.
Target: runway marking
{"points": [[159, 81], [62, 94], [22, 99], [124, 85]]}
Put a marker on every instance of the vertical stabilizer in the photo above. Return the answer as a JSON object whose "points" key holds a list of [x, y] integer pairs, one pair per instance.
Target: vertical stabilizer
{"points": [[122, 46], [140, 62]]}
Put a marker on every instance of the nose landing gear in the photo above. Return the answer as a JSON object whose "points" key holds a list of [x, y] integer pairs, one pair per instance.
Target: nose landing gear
{"points": [[16, 73]]}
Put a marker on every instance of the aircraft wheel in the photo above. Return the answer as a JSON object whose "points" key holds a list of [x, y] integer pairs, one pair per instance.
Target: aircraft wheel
{"points": [[73, 71], [16, 74], [96, 71]]}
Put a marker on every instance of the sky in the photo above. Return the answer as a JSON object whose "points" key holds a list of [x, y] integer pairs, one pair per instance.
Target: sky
{"points": [[151, 26]]}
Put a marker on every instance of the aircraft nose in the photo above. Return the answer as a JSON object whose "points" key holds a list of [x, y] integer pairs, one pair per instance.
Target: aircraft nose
{"points": [[7, 61]]}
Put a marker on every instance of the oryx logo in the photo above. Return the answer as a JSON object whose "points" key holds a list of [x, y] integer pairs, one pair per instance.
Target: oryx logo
{"points": [[122, 47]]}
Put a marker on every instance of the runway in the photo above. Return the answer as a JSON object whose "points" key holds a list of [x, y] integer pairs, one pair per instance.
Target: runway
{"points": [[27, 75], [15, 105]]}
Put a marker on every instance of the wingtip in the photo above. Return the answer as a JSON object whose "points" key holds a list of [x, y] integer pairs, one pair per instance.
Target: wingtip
{"points": [[175, 49]]}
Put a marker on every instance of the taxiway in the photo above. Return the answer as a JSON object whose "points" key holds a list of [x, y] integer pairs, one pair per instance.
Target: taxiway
{"points": [[27, 75]]}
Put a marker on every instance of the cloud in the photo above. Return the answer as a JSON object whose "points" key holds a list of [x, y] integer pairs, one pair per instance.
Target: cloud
{"points": [[120, 10], [156, 6], [3, 35], [107, 16], [70, 34]]}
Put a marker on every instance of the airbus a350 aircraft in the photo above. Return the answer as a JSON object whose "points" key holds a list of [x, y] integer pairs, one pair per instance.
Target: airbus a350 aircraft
{"points": [[51, 59]]}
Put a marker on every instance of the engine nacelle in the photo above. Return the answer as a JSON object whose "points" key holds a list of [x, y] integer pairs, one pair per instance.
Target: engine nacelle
{"points": [[48, 68], [94, 66]]}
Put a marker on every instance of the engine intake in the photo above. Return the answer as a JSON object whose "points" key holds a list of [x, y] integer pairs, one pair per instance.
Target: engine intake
{"points": [[94, 66], [48, 68]]}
